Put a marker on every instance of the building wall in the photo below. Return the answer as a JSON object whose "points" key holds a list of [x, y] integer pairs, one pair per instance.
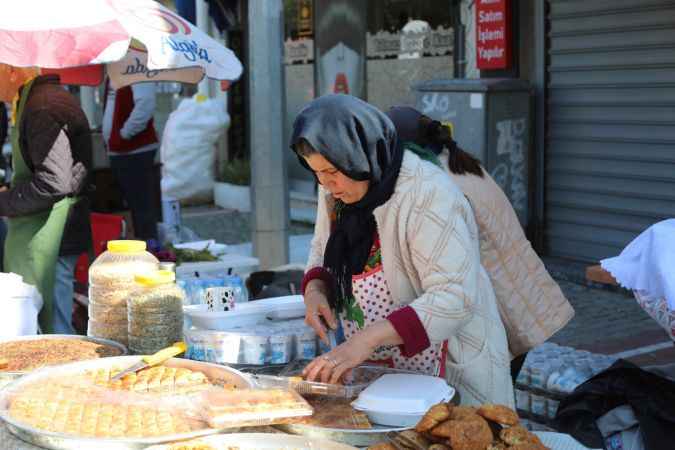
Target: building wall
{"points": [[390, 81]]}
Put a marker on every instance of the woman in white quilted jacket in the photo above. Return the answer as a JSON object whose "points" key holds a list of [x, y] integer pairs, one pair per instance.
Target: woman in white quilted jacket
{"points": [[395, 258], [530, 302]]}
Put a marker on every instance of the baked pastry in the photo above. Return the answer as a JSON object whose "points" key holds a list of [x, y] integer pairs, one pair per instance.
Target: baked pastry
{"points": [[154, 379], [83, 405], [499, 413], [464, 413], [253, 405], [468, 434], [382, 446], [29, 354], [330, 412], [518, 435], [499, 445], [79, 412], [411, 438], [436, 414]]}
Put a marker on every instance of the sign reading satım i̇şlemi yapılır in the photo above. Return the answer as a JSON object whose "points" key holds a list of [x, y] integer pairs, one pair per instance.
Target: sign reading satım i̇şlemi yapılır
{"points": [[493, 34]]}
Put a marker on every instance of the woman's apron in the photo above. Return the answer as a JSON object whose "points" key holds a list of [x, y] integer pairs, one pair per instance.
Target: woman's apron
{"points": [[372, 302], [33, 241]]}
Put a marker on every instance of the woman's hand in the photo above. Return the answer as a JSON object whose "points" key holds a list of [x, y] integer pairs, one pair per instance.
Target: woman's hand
{"points": [[331, 366], [317, 310]]}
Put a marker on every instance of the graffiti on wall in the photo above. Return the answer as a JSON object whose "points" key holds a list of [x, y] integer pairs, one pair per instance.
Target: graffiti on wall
{"points": [[510, 173], [437, 105]]}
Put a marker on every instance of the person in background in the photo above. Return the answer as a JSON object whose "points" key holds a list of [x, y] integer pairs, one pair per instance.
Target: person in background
{"points": [[46, 204], [395, 258], [131, 140], [531, 304]]}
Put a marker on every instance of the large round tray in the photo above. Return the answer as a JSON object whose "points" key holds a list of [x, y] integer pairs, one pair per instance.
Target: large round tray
{"points": [[7, 377], [357, 438], [262, 441], [59, 441]]}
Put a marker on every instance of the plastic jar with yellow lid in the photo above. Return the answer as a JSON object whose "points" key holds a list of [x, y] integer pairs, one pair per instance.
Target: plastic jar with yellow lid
{"points": [[111, 279], [155, 312]]}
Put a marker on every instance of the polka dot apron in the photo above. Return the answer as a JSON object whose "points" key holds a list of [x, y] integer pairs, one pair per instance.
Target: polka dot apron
{"points": [[372, 297]]}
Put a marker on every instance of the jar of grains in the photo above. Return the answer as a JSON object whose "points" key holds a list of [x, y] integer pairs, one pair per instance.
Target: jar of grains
{"points": [[155, 312], [111, 279]]}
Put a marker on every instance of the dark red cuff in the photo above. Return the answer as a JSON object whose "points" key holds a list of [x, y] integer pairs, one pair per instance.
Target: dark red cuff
{"points": [[408, 325], [317, 273]]}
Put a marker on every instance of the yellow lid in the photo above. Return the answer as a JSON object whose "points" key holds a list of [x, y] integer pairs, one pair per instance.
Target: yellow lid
{"points": [[155, 278], [126, 246]]}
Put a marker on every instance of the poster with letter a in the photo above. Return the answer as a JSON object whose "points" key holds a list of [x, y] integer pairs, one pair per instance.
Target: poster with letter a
{"points": [[340, 47]]}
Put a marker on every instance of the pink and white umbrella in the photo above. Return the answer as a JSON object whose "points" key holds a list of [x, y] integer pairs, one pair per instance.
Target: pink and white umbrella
{"points": [[137, 40]]}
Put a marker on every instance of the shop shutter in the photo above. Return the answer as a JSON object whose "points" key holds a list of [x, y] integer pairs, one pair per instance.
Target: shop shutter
{"points": [[610, 140]]}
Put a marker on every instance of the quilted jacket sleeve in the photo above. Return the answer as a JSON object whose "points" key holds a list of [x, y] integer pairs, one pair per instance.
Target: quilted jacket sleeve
{"points": [[442, 246], [55, 175]]}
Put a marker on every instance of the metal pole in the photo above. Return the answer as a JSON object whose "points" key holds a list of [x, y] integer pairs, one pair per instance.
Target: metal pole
{"points": [[203, 23], [267, 101], [539, 82]]}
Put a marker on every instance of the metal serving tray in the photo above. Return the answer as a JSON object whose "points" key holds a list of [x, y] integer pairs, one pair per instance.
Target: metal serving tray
{"points": [[7, 377], [58, 441], [357, 438], [262, 441]]}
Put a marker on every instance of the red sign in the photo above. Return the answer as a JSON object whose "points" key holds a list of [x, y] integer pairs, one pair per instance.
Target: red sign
{"points": [[493, 34]]}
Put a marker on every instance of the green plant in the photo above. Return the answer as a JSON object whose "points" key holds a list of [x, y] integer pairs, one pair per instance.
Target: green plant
{"points": [[237, 171]]}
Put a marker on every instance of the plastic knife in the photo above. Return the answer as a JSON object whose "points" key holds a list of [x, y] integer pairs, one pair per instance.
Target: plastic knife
{"points": [[153, 360]]}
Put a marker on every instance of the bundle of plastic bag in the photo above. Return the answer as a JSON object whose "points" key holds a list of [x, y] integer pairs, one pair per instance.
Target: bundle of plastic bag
{"points": [[187, 150], [21, 304]]}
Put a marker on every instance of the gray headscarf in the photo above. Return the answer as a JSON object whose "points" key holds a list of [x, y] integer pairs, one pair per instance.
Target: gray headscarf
{"points": [[361, 142]]}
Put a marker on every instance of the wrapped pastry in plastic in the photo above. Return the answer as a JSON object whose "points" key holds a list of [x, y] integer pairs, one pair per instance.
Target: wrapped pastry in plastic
{"points": [[253, 407]]}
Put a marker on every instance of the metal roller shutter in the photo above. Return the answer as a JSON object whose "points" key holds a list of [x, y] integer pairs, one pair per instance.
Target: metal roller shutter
{"points": [[610, 144]]}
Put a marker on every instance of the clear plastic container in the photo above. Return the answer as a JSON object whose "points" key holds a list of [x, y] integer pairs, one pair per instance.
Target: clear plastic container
{"points": [[155, 312], [523, 400], [253, 407], [111, 278]]}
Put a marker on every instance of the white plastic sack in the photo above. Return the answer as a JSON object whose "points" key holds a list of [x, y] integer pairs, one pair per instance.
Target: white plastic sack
{"points": [[21, 304], [187, 151]]}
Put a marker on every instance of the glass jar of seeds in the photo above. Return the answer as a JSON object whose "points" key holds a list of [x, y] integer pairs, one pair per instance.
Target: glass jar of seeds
{"points": [[155, 312]]}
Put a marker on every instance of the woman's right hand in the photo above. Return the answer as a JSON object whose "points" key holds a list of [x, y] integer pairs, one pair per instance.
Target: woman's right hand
{"points": [[317, 309]]}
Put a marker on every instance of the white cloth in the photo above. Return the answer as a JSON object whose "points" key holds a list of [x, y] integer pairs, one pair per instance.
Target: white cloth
{"points": [[647, 263], [21, 304], [431, 262], [144, 110]]}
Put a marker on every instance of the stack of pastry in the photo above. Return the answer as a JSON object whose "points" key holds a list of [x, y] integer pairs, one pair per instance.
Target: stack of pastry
{"points": [[82, 405], [449, 427], [254, 407]]}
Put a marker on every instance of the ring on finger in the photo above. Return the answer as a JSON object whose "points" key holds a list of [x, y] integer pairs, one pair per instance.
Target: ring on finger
{"points": [[330, 360]]}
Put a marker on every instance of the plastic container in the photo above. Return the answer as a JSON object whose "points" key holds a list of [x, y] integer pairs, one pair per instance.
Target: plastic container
{"points": [[305, 345], [256, 348], [538, 405], [281, 348], [253, 407], [523, 400], [400, 400], [247, 313], [111, 279], [155, 312]]}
